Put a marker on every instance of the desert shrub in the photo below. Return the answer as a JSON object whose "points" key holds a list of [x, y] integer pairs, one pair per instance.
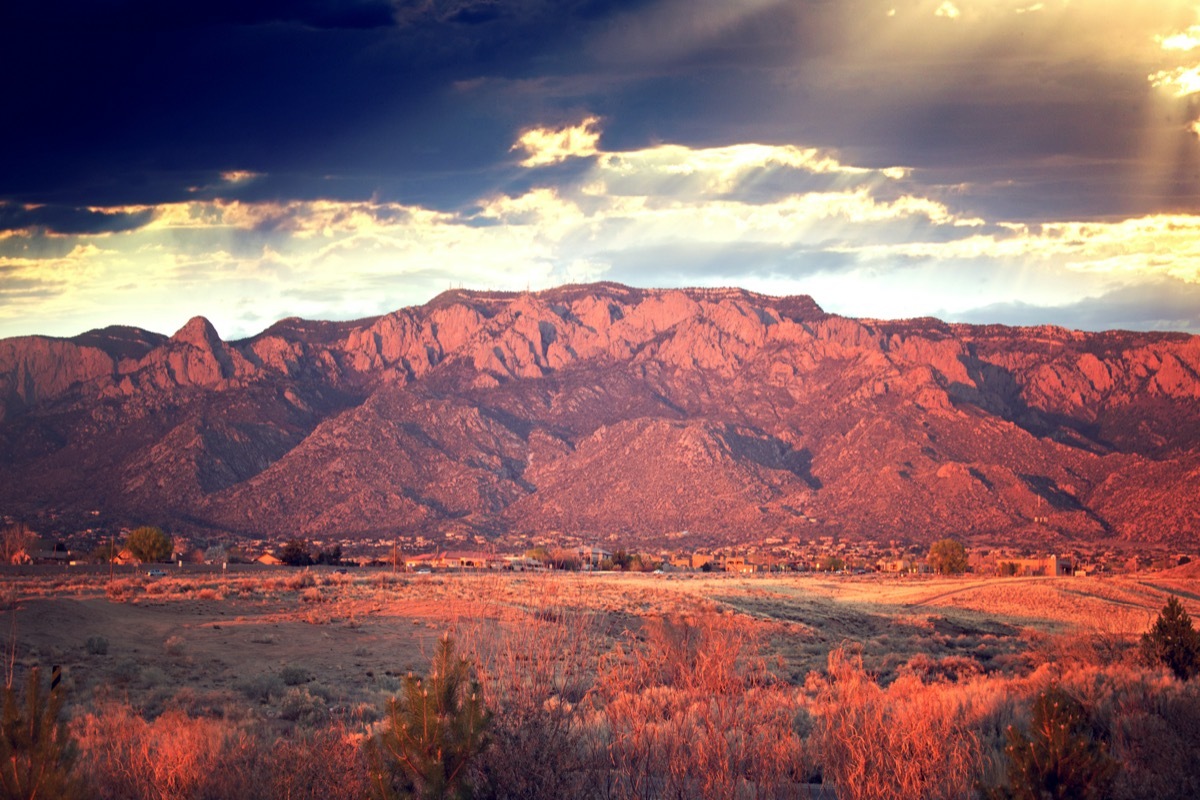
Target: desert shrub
{"points": [[153, 676], [713, 652], [96, 646], [120, 590], [1080, 648], [175, 646], [37, 754], [433, 734], [126, 671], [1173, 642], [302, 580], [293, 675], [903, 742], [260, 688], [952, 669], [388, 580], [302, 706], [1059, 757], [176, 757], [1156, 736], [210, 703]]}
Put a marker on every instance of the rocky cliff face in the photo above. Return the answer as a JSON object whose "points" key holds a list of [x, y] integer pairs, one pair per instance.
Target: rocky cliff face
{"points": [[605, 409]]}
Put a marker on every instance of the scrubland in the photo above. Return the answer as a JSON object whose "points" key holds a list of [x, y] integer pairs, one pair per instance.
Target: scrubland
{"points": [[269, 683]]}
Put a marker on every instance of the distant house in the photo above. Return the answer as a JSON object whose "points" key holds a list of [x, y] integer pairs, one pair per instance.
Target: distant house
{"points": [[592, 555], [126, 556], [901, 565], [268, 559], [462, 559], [700, 559], [423, 561], [1046, 565], [45, 552], [762, 562], [742, 565]]}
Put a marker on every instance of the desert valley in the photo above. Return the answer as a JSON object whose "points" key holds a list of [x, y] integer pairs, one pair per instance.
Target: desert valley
{"points": [[603, 542]]}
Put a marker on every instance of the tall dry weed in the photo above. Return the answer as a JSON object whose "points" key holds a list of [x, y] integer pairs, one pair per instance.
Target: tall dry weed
{"points": [[325, 764], [535, 665], [903, 742], [174, 757], [177, 757], [693, 711]]}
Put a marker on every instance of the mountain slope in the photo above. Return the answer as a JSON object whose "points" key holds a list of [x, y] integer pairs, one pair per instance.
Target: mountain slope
{"points": [[607, 409]]}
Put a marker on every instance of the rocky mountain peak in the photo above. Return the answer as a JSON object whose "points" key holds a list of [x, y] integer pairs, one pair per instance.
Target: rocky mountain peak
{"points": [[603, 409], [199, 333]]}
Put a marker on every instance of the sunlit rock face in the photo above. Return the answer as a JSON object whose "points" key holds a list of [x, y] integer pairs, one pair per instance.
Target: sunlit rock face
{"points": [[607, 410]]}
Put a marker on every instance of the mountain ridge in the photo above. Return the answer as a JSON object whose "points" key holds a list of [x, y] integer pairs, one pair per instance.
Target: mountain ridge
{"points": [[604, 409]]}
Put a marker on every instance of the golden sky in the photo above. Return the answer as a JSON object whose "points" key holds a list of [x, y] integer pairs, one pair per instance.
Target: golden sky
{"points": [[978, 160]]}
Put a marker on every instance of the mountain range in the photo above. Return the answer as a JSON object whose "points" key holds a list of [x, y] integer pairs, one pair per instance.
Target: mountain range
{"points": [[599, 410]]}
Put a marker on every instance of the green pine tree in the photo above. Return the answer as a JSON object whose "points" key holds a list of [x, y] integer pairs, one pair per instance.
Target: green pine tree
{"points": [[1173, 641], [1059, 759], [37, 756], [435, 730]]}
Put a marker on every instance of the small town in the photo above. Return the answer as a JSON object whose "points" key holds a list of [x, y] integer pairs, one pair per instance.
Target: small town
{"points": [[565, 552]]}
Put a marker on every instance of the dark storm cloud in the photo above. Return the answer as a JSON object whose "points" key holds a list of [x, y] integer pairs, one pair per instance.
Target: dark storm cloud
{"points": [[420, 100], [154, 15], [1158, 305], [135, 102], [67, 220]]}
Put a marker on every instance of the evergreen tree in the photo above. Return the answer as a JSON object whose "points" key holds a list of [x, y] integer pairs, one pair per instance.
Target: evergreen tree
{"points": [[1059, 759], [296, 554], [435, 730], [37, 755], [1173, 641]]}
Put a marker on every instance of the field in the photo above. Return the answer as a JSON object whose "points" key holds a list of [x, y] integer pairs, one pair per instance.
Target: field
{"points": [[605, 670]]}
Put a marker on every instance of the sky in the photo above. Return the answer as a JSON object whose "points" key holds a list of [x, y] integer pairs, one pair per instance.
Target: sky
{"points": [[976, 160]]}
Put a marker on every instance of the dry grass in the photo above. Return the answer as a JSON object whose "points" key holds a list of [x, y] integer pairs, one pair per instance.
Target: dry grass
{"points": [[607, 686], [909, 740]]}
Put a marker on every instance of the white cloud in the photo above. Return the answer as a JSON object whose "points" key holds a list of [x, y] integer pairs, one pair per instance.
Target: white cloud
{"points": [[546, 146], [1186, 41], [948, 10], [1183, 80], [237, 176], [783, 219]]}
